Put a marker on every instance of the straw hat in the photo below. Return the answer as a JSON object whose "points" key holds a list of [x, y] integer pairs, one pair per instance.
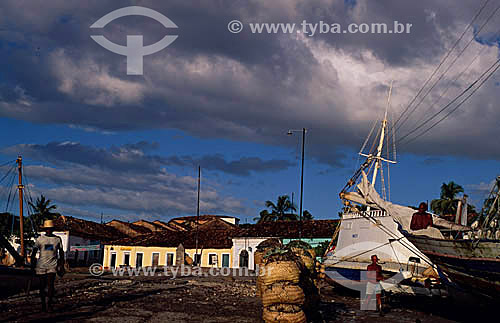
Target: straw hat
{"points": [[47, 224]]}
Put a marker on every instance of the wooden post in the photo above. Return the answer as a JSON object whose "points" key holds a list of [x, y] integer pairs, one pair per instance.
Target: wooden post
{"points": [[197, 218]]}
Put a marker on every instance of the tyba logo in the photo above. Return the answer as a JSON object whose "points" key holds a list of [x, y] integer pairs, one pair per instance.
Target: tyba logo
{"points": [[135, 50]]}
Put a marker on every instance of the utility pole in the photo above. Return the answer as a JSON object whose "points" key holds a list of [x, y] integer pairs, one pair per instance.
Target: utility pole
{"points": [[20, 187], [197, 215], [302, 182]]}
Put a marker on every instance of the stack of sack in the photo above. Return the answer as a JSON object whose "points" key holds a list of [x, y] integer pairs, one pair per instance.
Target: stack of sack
{"points": [[285, 283]]}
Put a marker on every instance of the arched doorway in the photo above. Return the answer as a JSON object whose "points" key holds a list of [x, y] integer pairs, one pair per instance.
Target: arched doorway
{"points": [[244, 258]]}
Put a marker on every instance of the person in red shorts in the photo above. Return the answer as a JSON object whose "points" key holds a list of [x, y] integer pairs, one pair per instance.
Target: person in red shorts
{"points": [[421, 219], [374, 276]]}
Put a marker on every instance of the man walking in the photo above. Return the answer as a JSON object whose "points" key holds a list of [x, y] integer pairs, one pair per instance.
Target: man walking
{"points": [[47, 265]]}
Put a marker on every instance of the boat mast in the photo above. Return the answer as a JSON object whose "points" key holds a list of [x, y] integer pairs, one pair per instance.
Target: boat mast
{"points": [[20, 186], [373, 159], [382, 138]]}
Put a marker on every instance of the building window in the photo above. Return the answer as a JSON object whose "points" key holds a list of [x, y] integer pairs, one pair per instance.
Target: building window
{"points": [[170, 259], [225, 260], [212, 259], [244, 259], [113, 260], [126, 259], [155, 259], [138, 259]]}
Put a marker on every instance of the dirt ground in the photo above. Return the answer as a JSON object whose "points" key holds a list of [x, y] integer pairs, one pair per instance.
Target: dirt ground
{"points": [[81, 297]]}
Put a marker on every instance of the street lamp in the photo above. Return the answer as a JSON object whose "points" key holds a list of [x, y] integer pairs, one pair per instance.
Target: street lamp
{"points": [[290, 132]]}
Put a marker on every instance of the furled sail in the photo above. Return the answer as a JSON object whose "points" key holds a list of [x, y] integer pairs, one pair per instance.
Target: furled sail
{"points": [[367, 195]]}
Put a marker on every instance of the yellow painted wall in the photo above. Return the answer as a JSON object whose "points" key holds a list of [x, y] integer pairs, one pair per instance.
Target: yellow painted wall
{"points": [[147, 258], [205, 255]]}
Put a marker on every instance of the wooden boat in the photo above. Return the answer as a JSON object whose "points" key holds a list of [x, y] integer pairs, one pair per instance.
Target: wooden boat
{"points": [[473, 265]]}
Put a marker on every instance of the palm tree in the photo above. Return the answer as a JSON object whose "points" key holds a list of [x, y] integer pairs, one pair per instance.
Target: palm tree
{"points": [[265, 216], [281, 211], [307, 216], [42, 210], [447, 203]]}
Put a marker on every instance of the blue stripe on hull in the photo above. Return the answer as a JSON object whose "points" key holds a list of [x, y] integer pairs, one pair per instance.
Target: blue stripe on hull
{"points": [[348, 274]]}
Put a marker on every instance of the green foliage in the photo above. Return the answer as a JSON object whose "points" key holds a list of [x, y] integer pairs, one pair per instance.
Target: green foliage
{"points": [[298, 244], [307, 216], [320, 249], [447, 203], [42, 210], [281, 211], [6, 224]]}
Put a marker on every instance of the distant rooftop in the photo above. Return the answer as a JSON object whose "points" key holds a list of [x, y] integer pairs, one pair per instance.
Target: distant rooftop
{"points": [[289, 229]]}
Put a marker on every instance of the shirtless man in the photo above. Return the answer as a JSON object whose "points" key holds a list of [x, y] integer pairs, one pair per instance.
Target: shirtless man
{"points": [[421, 219]]}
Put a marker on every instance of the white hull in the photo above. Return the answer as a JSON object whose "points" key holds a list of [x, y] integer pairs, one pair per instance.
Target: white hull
{"points": [[360, 238]]}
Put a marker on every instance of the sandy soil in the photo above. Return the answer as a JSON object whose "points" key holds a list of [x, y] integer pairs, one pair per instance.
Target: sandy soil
{"points": [[84, 298]]}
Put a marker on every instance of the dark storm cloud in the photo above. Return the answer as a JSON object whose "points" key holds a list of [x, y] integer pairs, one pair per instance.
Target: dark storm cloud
{"points": [[250, 87], [241, 167], [132, 158]]}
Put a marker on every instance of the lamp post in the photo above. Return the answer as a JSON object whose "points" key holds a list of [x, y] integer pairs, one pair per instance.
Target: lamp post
{"points": [[290, 132]]}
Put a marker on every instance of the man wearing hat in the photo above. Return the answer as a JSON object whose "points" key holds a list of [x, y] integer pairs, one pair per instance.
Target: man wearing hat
{"points": [[46, 267]]}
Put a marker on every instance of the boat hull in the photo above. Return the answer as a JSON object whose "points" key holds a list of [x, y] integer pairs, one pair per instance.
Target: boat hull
{"points": [[472, 265], [355, 279]]}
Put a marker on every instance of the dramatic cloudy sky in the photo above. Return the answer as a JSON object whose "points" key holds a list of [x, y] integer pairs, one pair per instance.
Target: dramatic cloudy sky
{"points": [[95, 139]]}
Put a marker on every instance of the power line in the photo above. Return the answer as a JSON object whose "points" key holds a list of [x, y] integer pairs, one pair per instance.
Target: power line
{"points": [[448, 86], [450, 103], [450, 66], [442, 61], [460, 104]]}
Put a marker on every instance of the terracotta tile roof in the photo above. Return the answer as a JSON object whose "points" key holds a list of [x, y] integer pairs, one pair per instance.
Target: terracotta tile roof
{"points": [[149, 225], [87, 229], [165, 226], [128, 229], [190, 222], [203, 217], [213, 234], [289, 229]]}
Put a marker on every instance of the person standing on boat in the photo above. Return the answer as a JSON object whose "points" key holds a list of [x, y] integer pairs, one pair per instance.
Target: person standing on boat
{"points": [[48, 264], [421, 219], [374, 276]]}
